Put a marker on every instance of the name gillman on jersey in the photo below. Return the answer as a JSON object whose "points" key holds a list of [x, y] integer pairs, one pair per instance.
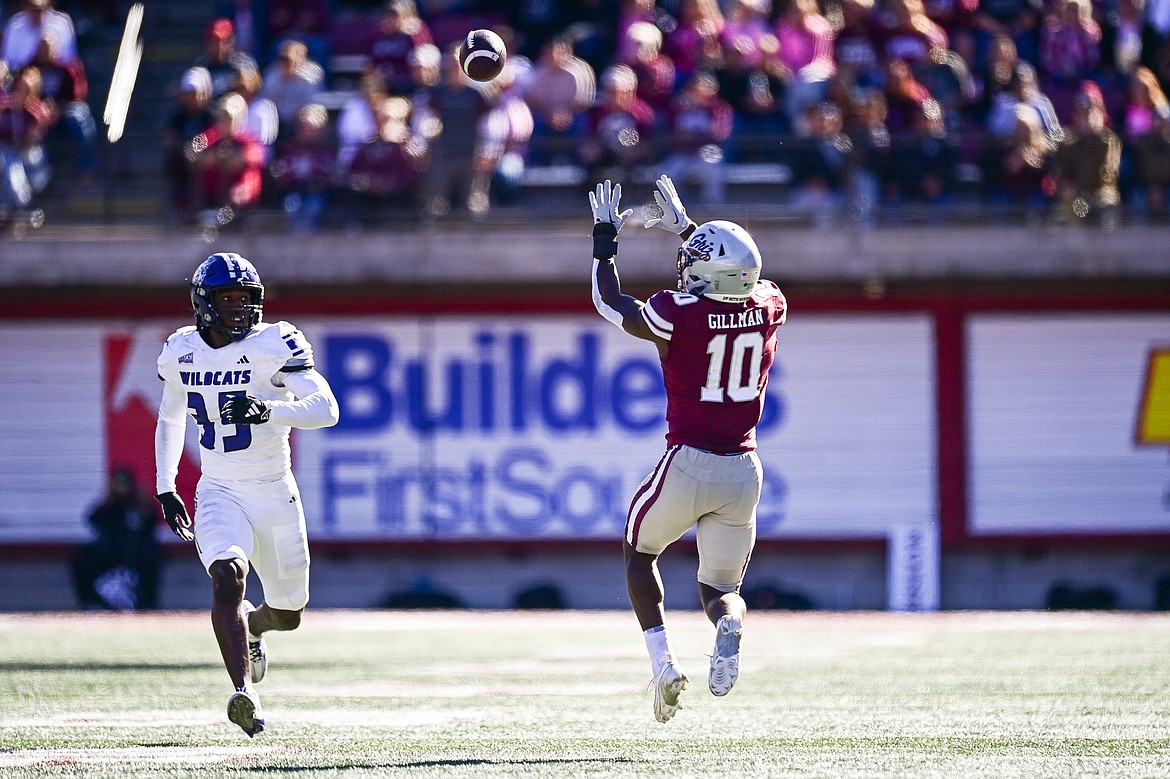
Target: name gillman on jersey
{"points": [[751, 318]]}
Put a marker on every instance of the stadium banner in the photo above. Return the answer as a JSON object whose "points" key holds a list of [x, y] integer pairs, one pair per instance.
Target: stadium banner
{"points": [[1067, 423], [499, 427]]}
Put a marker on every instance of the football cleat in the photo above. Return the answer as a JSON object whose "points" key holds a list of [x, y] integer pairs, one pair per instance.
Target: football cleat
{"points": [[243, 708], [257, 649], [725, 657], [668, 686]]}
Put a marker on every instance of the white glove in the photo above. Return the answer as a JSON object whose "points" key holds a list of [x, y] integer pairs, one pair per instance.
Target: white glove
{"points": [[605, 205], [674, 216]]}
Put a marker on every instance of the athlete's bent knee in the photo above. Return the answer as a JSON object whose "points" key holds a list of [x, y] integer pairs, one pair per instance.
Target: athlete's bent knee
{"points": [[286, 620], [227, 579]]}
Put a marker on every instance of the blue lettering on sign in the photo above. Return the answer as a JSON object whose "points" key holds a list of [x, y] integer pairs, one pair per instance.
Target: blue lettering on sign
{"points": [[499, 390], [521, 494], [356, 366]]}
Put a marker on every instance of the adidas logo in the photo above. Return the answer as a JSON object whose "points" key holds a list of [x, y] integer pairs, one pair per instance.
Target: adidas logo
{"points": [[243, 360]]}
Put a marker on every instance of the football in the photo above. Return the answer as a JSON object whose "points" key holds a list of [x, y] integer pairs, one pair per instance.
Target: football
{"points": [[482, 55]]}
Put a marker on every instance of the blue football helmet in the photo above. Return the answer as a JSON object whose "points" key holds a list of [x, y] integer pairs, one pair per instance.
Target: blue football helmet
{"points": [[226, 270]]}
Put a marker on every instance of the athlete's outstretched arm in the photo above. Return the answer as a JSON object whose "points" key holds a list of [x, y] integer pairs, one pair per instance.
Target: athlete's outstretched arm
{"points": [[621, 309]]}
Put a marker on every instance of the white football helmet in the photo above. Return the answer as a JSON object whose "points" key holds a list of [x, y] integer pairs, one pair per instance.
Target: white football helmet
{"points": [[720, 261]]}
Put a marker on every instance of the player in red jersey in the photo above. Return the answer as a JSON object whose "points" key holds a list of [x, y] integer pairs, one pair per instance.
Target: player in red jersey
{"points": [[716, 338]]}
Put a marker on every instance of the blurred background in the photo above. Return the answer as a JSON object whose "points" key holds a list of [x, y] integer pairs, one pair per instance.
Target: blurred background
{"points": [[964, 201]]}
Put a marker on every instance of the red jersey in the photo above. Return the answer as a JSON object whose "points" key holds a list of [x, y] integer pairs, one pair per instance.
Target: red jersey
{"points": [[716, 366]]}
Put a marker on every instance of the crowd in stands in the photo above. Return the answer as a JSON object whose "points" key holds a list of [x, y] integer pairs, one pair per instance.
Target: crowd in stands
{"points": [[43, 92], [1053, 107]]}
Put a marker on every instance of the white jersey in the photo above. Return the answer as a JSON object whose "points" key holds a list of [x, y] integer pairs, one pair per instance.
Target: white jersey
{"points": [[257, 365]]}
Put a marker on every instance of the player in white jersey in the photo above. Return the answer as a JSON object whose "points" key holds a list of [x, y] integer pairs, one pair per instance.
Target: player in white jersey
{"points": [[245, 383]]}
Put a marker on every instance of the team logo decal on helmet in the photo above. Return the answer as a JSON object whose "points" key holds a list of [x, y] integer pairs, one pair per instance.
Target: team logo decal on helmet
{"points": [[226, 270], [720, 261]]}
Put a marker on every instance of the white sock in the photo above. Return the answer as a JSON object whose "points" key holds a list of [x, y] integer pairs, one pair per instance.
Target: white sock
{"points": [[658, 645]]}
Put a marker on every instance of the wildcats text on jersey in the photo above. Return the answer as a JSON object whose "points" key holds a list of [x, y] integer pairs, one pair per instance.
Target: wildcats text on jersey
{"points": [[214, 378], [751, 318]]}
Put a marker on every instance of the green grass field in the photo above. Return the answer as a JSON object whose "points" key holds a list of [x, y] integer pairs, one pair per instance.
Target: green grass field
{"points": [[566, 694]]}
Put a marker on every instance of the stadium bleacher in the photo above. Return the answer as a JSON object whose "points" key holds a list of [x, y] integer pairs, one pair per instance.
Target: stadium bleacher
{"points": [[132, 190]]}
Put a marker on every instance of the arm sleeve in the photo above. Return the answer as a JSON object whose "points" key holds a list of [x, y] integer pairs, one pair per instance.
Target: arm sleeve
{"points": [[314, 407], [168, 436], [603, 308]]}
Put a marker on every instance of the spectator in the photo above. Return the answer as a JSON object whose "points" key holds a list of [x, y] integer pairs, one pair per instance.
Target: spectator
{"points": [[307, 21], [292, 81], [398, 33], [454, 174], [1003, 120], [701, 123], [923, 162], [694, 44], [653, 69], [385, 169], [221, 58], [1070, 50], [631, 13], [541, 21], [908, 34], [1017, 19], [505, 133], [1145, 106], [1155, 35], [249, 22], [592, 30], [24, 120], [946, 76], [263, 122], [995, 78], [191, 116], [561, 88], [65, 88], [855, 48], [357, 121], [619, 129], [746, 26], [1147, 136], [756, 94], [1121, 36], [303, 170], [820, 166], [806, 51], [426, 71], [1017, 166], [25, 30], [119, 568], [957, 19], [229, 165], [1089, 160], [1159, 57], [905, 96], [871, 153]]}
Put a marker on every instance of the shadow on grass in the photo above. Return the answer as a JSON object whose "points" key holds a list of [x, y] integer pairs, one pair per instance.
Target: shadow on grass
{"points": [[88, 665], [452, 763]]}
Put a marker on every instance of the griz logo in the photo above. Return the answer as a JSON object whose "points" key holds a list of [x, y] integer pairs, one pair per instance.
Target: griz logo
{"points": [[700, 247]]}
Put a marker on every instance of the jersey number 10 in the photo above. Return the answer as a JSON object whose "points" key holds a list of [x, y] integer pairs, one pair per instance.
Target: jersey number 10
{"points": [[745, 346]]}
